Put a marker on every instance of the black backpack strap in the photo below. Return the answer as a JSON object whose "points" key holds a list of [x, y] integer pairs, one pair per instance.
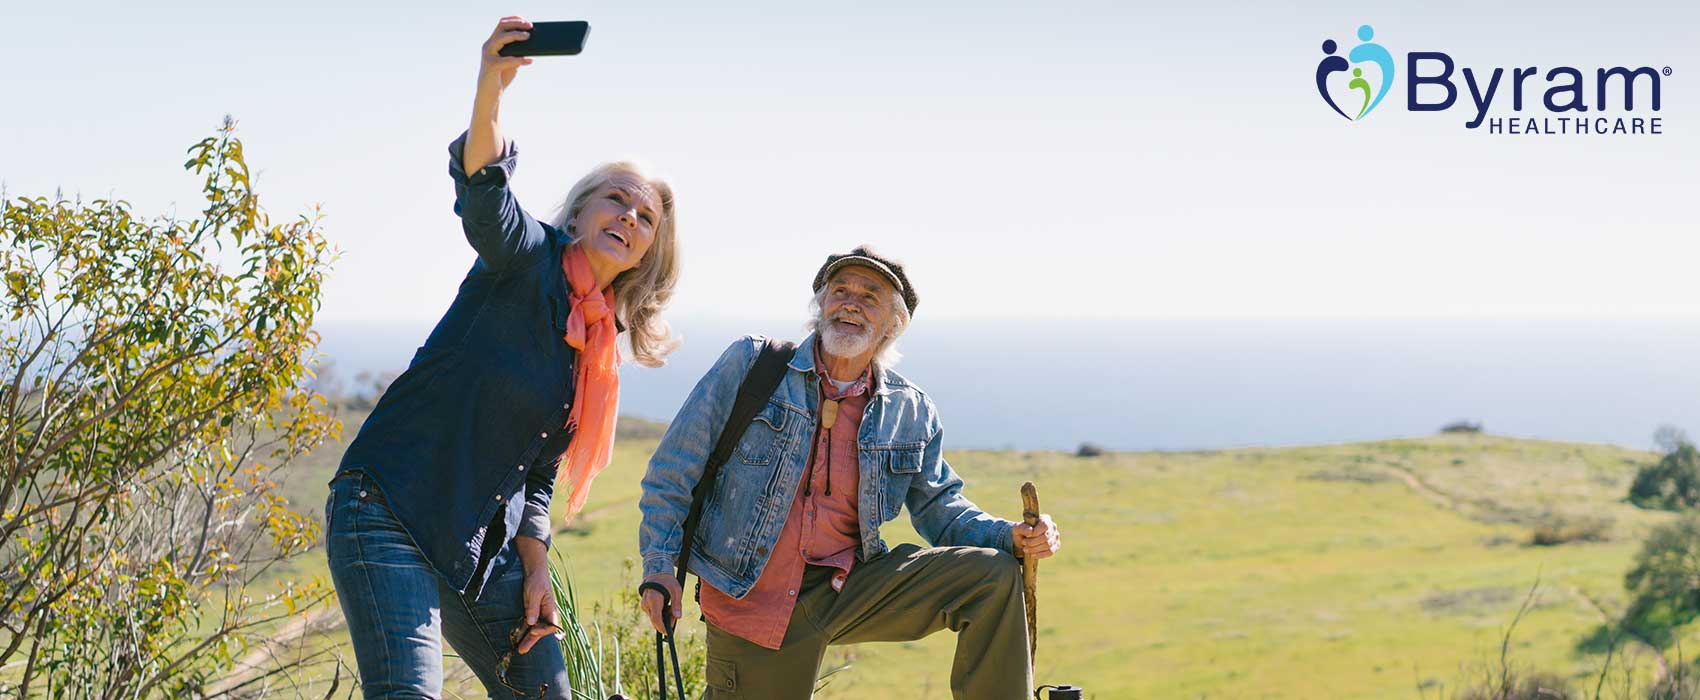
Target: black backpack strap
{"points": [[753, 393]]}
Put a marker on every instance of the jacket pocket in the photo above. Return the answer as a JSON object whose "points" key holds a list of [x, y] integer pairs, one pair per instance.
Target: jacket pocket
{"points": [[904, 460], [765, 436], [902, 464]]}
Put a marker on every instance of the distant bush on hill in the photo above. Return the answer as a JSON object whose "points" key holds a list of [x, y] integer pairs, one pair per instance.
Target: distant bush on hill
{"points": [[1559, 528], [1462, 426], [1089, 449], [1671, 484]]}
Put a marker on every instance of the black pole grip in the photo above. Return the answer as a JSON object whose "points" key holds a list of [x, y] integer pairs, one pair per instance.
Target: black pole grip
{"points": [[664, 642], [666, 602]]}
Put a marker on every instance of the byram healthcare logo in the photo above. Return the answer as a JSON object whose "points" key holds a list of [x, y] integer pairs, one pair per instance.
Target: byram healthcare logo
{"points": [[1355, 84], [1365, 53]]}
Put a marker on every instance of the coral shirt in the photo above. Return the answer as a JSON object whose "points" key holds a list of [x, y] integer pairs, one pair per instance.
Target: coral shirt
{"points": [[821, 529]]}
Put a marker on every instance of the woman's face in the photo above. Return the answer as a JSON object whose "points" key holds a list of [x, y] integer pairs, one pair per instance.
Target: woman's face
{"points": [[617, 223]]}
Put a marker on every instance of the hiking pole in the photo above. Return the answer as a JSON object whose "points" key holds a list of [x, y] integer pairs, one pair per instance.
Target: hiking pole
{"points": [[1030, 572], [660, 659], [1030, 595]]}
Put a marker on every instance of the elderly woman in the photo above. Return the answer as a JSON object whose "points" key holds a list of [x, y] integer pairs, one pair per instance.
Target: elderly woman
{"points": [[438, 517]]}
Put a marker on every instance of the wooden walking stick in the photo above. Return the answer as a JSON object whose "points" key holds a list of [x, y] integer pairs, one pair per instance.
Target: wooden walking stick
{"points": [[1030, 572]]}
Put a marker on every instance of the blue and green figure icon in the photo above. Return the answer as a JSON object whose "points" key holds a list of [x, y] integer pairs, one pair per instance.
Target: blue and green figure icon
{"points": [[1372, 52], [1366, 52], [1358, 83]]}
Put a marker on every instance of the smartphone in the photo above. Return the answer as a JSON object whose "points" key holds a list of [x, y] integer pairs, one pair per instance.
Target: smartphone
{"points": [[550, 39]]}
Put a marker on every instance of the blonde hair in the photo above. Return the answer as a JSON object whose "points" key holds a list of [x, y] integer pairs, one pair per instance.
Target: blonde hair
{"points": [[643, 291]]}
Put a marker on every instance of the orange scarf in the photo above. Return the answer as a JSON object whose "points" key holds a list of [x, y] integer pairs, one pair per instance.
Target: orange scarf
{"points": [[596, 391]]}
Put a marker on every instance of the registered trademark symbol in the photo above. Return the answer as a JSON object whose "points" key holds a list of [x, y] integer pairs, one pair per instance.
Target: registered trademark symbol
{"points": [[1667, 71]]}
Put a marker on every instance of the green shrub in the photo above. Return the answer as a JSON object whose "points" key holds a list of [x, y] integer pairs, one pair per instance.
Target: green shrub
{"points": [[154, 374], [1665, 581], [1671, 484]]}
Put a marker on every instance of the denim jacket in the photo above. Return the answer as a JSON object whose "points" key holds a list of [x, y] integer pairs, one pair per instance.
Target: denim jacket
{"points": [[900, 456], [463, 444]]}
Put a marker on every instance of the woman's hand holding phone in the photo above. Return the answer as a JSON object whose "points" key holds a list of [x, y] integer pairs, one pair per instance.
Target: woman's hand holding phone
{"points": [[493, 66], [495, 71]]}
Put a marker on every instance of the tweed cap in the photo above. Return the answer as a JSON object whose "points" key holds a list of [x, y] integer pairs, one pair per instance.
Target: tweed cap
{"points": [[865, 256]]}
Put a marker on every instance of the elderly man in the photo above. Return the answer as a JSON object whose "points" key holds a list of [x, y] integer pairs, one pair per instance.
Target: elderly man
{"points": [[789, 544]]}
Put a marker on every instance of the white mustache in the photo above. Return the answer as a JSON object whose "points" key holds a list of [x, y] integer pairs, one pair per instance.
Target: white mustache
{"points": [[861, 323]]}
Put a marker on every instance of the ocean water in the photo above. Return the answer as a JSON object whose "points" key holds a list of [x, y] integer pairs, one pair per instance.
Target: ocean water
{"points": [[1201, 384]]}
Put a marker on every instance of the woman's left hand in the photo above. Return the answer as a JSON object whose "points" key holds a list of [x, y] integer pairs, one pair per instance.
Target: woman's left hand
{"points": [[541, 615]]}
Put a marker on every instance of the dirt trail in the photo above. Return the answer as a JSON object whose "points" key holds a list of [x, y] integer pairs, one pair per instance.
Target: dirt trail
{"points": [[1404, 474]]}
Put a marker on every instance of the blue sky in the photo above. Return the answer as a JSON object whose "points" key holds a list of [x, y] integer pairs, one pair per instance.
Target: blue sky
{"points": [[1078, 159]]}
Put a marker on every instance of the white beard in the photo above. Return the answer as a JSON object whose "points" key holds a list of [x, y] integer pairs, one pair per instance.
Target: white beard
{"points": [[840, 343]]}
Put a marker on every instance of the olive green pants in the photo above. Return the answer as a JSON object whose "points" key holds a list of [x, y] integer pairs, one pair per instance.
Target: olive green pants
{"points": [[903, 595]]}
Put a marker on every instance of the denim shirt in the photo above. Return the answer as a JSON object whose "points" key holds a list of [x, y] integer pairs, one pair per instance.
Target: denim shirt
{"points": [[900, 458], [463, 444]]}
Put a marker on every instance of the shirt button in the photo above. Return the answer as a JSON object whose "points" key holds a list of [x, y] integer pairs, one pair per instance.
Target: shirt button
{"points": [[362, 494], [761, 550], [520, 468], [791, 593], [498, 498], [543, 435]]}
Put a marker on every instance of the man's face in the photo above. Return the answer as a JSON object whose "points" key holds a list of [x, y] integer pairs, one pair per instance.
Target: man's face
{"points": [[855, 314]]}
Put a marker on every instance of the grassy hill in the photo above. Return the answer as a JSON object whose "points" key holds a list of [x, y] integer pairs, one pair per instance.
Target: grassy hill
{"points": [[1372, 570]]}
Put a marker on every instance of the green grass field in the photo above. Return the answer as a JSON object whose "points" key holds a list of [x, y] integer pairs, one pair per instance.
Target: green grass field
{"points": [[1372, 570]]}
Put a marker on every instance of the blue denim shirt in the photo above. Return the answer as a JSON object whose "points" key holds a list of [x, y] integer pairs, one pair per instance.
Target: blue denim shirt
{"points": [[900, 456], [463, 444]]}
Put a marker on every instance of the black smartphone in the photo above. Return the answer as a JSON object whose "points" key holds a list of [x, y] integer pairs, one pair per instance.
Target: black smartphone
{"points": [[550, 39]]}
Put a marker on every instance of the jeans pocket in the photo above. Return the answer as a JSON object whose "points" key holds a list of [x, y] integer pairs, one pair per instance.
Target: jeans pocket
{"points": [[330, 507], [342, 489]]}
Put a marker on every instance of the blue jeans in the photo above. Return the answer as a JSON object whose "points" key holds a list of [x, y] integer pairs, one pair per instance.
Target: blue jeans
{"points": [[399, 610]]}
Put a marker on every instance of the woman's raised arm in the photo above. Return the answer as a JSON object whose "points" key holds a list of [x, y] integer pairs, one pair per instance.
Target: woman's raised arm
{"points": [[482, 162], [495, 71]]}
